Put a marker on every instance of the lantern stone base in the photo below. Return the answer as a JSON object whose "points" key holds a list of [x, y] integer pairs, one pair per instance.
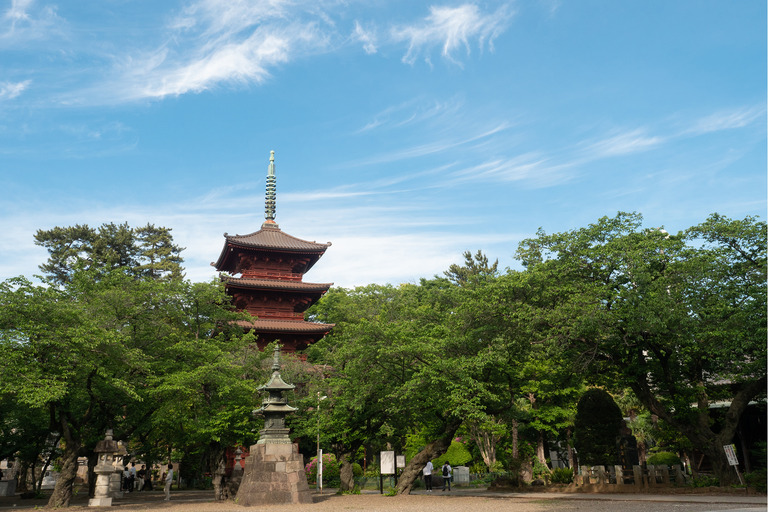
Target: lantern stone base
{"points": [[100, 502], [273, 474]]}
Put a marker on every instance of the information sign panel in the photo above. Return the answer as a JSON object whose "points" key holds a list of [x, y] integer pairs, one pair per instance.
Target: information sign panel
{"points": [[387, 463], [730, 453]]}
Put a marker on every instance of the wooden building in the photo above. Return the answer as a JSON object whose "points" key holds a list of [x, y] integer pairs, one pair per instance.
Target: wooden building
{"points": [[264, 273]]}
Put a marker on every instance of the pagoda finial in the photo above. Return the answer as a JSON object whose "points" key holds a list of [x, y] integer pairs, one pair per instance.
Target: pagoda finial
{"points": [[276, 359], [269, 204]]}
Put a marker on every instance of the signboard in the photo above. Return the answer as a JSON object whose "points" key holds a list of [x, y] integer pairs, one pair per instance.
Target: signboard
{"points": [[387, 463], [401, 461], [730, 453]]}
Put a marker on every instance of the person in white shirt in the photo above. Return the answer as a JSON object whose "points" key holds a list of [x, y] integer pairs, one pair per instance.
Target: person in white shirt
{"points": [[168, 481], [428, 475]]}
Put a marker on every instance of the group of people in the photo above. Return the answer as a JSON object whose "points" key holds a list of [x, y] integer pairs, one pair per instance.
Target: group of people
{"points": [[447, 474], [142, 479]]}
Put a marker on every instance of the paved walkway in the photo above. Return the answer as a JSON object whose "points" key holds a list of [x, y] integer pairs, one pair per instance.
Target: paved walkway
{"points": [[470, 499]]}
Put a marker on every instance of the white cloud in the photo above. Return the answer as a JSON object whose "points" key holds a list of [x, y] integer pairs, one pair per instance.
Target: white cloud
{"points": [[451, 28], [10, 90], [367, 37], [24, 21], [623, 144], [727, 120]]}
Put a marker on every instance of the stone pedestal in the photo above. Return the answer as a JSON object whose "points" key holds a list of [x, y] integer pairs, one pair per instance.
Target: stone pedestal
{"points": [[7, 487], [274, 474], [101, 497]]}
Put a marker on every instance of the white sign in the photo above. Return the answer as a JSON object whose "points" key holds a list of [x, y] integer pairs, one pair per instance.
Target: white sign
{"points": [[387, 463], [730, 453], [401, 461]]}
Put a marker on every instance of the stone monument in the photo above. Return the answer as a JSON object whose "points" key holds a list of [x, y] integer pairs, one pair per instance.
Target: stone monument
{"points": [[105, 450], [274, 469]]}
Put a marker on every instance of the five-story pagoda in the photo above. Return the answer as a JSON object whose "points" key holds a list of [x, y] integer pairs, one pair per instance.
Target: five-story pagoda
{"points": [[264, 271]]}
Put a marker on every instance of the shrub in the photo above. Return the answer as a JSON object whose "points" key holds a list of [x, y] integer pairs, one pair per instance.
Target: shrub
{"points": [[663, 459], [704, 481], [596, 428], [331, 471], [457, 455], [562, 476], [541, 471], [757, 479]]}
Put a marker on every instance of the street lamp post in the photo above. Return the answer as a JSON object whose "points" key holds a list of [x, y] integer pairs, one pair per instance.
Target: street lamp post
{"points": [[319, 479]]}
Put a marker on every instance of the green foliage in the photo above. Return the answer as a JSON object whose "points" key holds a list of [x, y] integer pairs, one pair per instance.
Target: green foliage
{"points": [[664, 459], [541, 471], [757, 479], [331, 470], [457, 455], [669, 316], [562, 476], [596, 430], [148, 251], [704, 481]]}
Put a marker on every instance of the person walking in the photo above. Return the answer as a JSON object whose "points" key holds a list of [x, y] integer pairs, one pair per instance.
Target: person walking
{"points": [[447, 470], [126, 478], [140, 474], [168, 482], [428, 475], [132, 477]]}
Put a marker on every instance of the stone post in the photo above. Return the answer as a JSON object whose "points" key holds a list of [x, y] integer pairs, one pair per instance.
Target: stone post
{"points": [[637, 473], [585, 475], [651, 475], [600, 470], [619, 472]]}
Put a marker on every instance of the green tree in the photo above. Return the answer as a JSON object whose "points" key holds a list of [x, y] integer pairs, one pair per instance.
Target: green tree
{"points": [[146, 251], [110, 350], [679, 319]]}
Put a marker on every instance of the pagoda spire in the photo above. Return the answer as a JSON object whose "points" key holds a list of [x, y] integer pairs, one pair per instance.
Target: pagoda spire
{"points": [[269, 203]]}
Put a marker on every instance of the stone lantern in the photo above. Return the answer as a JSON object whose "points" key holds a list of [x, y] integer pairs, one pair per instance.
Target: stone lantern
{"points": [[105, 450], [275, 407], [274, 470]]}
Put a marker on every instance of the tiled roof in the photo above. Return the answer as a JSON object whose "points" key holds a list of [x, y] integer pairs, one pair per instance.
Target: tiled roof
{"points": [[274, 284], [271, 237], [259, 325]]}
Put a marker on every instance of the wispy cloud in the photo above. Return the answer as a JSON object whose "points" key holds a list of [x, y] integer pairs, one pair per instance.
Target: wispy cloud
{"points": [[10, 90], [416, 110], [623, 144], [451, 28], [366, 37], [727, 120], [24, 21]]}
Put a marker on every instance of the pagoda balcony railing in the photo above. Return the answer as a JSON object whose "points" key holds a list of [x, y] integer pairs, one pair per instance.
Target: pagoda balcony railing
{"points": [[271, 274], [278, 315]]}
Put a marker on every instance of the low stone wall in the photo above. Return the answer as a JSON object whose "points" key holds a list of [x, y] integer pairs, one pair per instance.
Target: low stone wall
{"points": [[640, 476]]}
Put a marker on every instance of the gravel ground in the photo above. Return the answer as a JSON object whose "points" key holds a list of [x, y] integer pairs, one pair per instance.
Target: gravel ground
{"points": [[191, 501]]}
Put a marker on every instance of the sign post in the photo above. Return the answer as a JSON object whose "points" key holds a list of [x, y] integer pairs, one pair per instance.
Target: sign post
{"points": [[730, 453], [387, 467]]}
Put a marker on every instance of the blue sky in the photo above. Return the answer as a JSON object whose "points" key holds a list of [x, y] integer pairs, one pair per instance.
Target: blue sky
{"points": [[405, 132]]}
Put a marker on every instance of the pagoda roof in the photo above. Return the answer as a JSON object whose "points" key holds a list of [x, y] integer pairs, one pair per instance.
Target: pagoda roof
{"points": [[275, 284], [285, 326], [270, 238]]}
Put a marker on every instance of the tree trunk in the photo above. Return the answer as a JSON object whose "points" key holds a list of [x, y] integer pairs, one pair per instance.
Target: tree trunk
{"points": [[62, 493], [21, 477], [486, 441], [346, 473], [540, 449], [515, 448], [431, 451], [569, 444], [93, 459]]}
